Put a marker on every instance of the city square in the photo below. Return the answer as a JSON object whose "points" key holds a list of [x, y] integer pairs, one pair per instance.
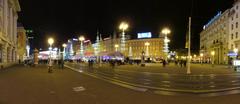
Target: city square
{"points": [[121, 52]]}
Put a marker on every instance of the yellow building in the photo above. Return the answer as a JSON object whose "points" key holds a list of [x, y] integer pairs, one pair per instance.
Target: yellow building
{"points": [[21, 46], [152, 48]]}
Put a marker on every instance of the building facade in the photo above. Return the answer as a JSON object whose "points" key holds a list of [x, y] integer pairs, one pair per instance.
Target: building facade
{"points": [[21, 43], [222, 35], [214, 37], [152, 48], [234, 20], [8, 31]]}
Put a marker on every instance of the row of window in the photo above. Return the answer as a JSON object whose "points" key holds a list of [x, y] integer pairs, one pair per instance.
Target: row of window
{"points": [[236, 36]]}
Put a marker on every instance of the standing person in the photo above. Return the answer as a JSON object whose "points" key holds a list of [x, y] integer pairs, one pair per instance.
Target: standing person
{"points": [[50, 65], [164, 63], [181, 63], [176, 62], [185, 63], [62, 64], [59, 63]]}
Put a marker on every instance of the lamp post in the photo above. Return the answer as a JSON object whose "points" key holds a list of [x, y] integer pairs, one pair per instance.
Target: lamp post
{"points": [[166, 31], [201, 58], [147, 50], [64, 51], [116, 47], [213, 54], [50, 42], [81, 39], [123, 27]]}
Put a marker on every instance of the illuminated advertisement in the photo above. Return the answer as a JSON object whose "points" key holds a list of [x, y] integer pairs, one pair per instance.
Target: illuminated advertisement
{"points": [[145, 35]]}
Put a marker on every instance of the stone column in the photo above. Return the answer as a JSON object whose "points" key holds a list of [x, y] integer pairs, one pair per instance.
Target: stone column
{"points": [[15, 29], [5, 19], [10, 24]]}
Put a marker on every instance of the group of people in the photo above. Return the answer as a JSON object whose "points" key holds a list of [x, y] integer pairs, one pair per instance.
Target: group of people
{"points": [[181, 63]]}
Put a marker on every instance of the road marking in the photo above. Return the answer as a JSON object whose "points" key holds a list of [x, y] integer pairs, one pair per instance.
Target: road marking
{"points": [[113, 81], [145, 88], [79, 89]]}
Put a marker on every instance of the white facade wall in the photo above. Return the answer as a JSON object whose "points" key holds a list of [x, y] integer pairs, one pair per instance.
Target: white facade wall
{"points": [[8, 31], [214, 37]]}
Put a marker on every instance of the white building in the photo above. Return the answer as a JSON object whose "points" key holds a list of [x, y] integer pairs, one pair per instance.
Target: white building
{"points": [[222, 35], [234, 21], [8, 31], [214, 37]]}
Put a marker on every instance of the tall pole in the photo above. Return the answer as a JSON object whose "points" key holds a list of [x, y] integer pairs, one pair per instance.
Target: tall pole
{"points": [[189, 47]]}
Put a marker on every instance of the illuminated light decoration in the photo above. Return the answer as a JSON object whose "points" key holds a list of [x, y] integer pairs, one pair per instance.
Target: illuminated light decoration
{"points": [[81, 39], [86, 41], [123, 26], [145, 35], [28, 50], [74, 39], [212, 20], [166, 48]]}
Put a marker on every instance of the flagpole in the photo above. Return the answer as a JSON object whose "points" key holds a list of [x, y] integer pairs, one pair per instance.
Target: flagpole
{"points": [[189, 47]]}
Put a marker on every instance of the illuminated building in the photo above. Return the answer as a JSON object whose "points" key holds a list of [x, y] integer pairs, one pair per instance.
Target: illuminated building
{"points": [[154, 46], [8, 31], [214, 37], [22, 43], [221, 35]]}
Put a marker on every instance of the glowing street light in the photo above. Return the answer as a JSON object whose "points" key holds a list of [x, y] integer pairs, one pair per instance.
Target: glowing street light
{"points": [[81, 39], [64, 50], [123, 27], [166, 31], [116, 47], [50, 42]]}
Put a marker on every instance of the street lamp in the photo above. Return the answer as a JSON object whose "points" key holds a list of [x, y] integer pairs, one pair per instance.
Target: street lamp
{"points": [[64, 50], [213, 54], [116, 47], [123, 27], [147, 45], [201, 57], [81, 39], [166, 31], [50, 42]]}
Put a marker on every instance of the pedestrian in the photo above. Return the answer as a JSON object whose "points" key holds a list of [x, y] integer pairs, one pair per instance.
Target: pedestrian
{"points": [[50, 65], [59, 63], [185, 63], [181, 63], [164, 63], [176, 62], [62, 64]]}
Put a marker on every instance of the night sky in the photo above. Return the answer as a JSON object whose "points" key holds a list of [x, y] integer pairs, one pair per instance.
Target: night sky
{"points": [[63, 19]]}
